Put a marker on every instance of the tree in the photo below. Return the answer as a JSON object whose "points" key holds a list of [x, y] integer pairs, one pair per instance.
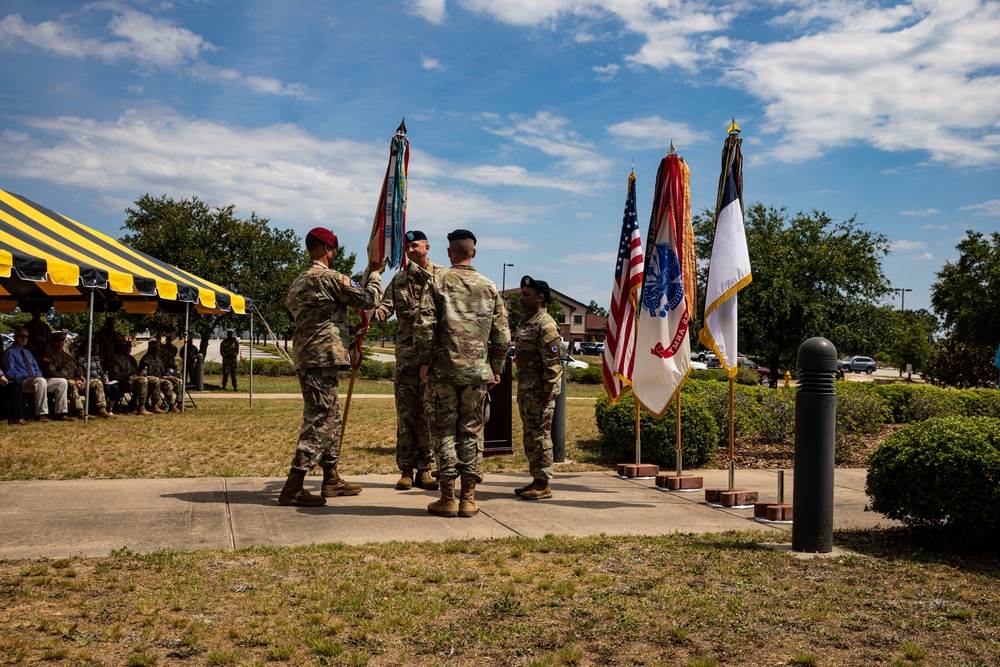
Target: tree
{"points": [[913, 347], [245, 256], [595, 309], [967, 292], [515, 312], [812, 276]]}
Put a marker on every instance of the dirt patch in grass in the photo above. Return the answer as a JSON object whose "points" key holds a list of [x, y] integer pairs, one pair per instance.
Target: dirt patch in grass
{"points": [[672, 600]]}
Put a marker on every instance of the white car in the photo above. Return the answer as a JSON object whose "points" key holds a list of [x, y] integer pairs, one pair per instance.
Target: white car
{"points": [[698, 366], [573, 363]]}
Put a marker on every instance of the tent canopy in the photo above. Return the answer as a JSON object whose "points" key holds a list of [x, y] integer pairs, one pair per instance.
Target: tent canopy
{"points": [[48, 259]]}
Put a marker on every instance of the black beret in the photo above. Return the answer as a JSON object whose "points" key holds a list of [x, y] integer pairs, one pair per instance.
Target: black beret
{"points": [[460, 234], [415, 236], [540, 286]]}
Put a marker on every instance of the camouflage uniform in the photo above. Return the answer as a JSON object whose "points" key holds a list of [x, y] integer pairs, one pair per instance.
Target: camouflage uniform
{"points": [[539, 371], [403, 296], [462, 334], [125, 369], [108, 339], [94, 378], [318, 300], [167, 355], [230, 350], [152, 365], [39, 333], [61, 364]]}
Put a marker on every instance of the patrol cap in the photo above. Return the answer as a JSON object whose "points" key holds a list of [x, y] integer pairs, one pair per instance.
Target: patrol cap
{"points": [[229, 333], [415, 236], [325, 235], [540, 286], [461, 234], [58, 335], [153, 343]]}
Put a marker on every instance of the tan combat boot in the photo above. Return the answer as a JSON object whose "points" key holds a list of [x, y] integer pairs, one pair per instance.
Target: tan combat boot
{"points": [[143, 411], [157, 410], [526, 487], [426, 481], [334, 486], [468, 507], [103, 413], [447, 505], [405, 482], [539, 490], [294, 494]]}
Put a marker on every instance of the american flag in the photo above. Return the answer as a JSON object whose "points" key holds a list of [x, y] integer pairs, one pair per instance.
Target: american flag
{"points": [[619, 344]]}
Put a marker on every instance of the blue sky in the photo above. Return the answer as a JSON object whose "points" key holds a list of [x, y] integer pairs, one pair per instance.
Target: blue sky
{"points": [[524, 116]]}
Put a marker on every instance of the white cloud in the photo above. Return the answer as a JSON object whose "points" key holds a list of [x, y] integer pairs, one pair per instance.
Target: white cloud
{"points": [[907, 245], [912, 76], [942, 227], [549, 134], [595, 259], [921, 214], [430, 63], [989, 208], [924, 256], [640, 132], [151, 42], [607, 72], [280, 171], [433, 11]]}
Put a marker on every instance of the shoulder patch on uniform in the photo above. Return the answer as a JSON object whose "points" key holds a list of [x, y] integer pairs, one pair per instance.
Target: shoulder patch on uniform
{"points": [[554, 348], [346, 280]]}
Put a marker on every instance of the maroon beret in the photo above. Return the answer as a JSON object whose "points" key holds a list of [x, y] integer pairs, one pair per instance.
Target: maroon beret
{"points": [[324, 235]]}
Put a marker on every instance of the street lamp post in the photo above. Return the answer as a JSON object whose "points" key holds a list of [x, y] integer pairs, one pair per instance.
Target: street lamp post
{"points": [[503, 279], [902, 297]]}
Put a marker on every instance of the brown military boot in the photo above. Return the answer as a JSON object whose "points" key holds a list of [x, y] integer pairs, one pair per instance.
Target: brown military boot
{"points": [[447, 505], [294, 494], [405, 482], [468, 507], [526, 487], [143, 411], [103, 413], [426, 481], [157, 410], [334, 486], [539, 490]]}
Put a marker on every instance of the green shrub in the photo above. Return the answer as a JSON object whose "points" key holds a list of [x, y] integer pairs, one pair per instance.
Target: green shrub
{"points": [[898, 397], [263, 367], [590, 375], [981, 402], [861, 410], [376, 370], [699, 435], [746, 407], [934, 402], [744, 376], [940, 472], [776, 418]]}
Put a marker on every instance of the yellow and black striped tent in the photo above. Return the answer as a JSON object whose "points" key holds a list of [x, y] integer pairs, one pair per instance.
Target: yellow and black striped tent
{"points": [[49, 259]]}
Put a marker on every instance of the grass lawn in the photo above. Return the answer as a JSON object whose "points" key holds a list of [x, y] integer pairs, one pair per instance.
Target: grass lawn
{"points": [[904, 600]]}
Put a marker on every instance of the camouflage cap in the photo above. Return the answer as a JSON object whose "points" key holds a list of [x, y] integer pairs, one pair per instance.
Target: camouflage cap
{"points": [[58, 335]]}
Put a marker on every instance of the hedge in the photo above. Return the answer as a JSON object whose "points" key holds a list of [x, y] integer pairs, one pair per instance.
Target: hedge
{"points": [[940, 472], [699, 435]]}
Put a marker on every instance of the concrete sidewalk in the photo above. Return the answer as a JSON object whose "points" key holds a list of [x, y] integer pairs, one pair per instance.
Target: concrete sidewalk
{"points": [[56, 519]]}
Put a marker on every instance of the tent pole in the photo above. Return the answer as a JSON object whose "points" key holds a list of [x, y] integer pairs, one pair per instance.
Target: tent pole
{"points": [[184, 356], [251, 358], [90, 342]]}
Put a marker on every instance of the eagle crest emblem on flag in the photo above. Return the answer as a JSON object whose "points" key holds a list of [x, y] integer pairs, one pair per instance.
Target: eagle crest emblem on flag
{"points": [[665, 291]]}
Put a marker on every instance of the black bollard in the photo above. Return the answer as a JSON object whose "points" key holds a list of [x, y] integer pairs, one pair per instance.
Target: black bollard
{"points": [[559, 416], [815, 430]]}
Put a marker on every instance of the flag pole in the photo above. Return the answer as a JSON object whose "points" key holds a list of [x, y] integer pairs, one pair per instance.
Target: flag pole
{"points": [[679, 456], [638, 438], [732, 436]]}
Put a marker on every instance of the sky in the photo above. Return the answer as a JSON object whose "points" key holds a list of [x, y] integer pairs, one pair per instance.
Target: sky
{"points": [[524, 117]]}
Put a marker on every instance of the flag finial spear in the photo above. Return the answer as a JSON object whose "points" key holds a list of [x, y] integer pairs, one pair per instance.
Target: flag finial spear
{"points": [[672, 151], [733, 128], [402, 127]]}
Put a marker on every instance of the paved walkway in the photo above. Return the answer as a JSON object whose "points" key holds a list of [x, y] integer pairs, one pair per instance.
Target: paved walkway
{"points": [[57, 519]]}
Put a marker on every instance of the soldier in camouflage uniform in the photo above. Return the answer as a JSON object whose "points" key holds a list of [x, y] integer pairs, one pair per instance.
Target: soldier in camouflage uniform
{"points": [[168, 354], [461, 342], [58, 363], [230, 350], [95, 377], [152, 365], [39, 332], [108, 338], [125, 370], [537, 348], [402, 297], [318, 300]]}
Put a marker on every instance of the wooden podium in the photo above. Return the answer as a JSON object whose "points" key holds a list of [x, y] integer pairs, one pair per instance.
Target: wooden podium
{"points": [[499, 429]]}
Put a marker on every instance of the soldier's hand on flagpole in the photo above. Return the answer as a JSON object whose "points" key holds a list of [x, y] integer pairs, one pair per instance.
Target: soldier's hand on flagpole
{"points": [[377, 267], [496, 381]]}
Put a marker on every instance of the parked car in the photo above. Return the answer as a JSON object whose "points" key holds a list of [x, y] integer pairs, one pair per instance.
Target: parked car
{"points": [[698, 366], [592, 349], [702, 355], [8, 340], [573, 363], [763, 372], [857, 365]]}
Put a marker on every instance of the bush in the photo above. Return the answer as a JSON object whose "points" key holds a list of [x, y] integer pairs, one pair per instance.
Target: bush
{"points": [[961, 365], [933, 402], [376, 370], [861, 410], [746, 406], [981, 402], [590, 375], [898, 397], [776, 418], [744, 376], [699, 435], [940, 472]]}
